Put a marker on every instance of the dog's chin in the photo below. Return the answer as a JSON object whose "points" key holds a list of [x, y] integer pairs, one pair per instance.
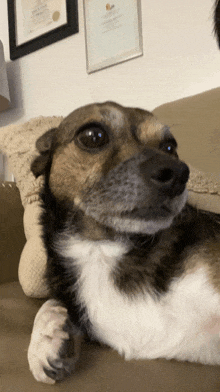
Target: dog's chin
{"points": [[139, 220]]}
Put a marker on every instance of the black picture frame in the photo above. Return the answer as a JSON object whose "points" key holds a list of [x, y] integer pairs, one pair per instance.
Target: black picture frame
{"points": [[59, 33], [217, 21]]}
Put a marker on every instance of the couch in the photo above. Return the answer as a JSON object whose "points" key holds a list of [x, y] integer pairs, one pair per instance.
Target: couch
{"points": [[195, 122]]}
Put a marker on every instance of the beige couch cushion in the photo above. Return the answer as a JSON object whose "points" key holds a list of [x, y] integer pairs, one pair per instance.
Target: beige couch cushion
{"points": [[195, 123], [12, 238], [100, 369]]}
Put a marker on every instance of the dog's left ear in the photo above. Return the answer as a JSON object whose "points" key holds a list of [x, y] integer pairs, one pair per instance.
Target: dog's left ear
{"points": [[44, 146]]}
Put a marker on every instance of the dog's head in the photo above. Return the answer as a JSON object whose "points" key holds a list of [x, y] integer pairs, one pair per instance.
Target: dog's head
{"points": [[118, 165]]}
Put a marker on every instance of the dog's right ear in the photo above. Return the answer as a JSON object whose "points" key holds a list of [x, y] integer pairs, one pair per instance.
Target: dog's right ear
{"points": [[44, 146]]}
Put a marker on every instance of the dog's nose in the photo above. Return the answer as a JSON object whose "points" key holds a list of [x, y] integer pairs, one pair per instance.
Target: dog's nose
{"points": [[166, 175]]}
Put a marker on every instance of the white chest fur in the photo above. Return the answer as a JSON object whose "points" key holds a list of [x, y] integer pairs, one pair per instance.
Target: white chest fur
{"points": [[179, 325]]}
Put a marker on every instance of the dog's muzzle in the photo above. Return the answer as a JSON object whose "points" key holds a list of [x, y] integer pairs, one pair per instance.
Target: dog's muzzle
{"points": [[142, 194]]}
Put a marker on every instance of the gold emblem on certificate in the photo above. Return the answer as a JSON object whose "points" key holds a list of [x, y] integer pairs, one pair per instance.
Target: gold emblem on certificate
{"points": [[109, 7], [38, 14]]}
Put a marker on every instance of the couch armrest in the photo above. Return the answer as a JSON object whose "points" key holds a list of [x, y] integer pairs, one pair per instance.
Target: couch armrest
{"points": [[12, 238]]}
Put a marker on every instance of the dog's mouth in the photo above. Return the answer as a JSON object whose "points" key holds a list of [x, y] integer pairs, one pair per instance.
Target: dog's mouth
{"points": [[145, 213], [143, 219]]}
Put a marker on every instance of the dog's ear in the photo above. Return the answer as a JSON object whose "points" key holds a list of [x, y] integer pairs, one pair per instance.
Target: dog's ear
{"points": [[44, 146]]}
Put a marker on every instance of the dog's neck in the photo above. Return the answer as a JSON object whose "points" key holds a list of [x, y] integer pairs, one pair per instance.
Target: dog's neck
{"points": [[95, 231]]}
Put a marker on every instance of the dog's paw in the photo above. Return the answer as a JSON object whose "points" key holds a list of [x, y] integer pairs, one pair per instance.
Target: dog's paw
{"points": [[49, 350]]}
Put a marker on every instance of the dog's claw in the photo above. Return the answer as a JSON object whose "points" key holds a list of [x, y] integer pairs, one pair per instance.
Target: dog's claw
{"points": [[60, 369]]}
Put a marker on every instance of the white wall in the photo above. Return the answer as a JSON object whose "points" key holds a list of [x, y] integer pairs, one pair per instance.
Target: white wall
{"points": [[181, 58]]}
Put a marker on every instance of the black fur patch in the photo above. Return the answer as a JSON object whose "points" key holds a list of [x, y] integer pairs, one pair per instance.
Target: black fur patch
{"points": [[55, 218], [154, 261]]}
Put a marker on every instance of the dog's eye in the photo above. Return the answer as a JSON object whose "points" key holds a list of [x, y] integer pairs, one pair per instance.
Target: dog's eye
{"points": [[168, 148], [92, 138]]}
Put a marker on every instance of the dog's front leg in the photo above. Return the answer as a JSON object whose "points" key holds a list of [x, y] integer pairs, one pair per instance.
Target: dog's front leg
{"points": [[55, 343]]}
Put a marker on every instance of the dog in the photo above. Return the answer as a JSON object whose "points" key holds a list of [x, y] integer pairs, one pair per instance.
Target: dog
{"points": [[130, 263]]}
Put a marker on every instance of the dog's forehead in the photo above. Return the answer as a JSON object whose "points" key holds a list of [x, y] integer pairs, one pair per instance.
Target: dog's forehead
{"points": [[98, 113], [120, 118]]}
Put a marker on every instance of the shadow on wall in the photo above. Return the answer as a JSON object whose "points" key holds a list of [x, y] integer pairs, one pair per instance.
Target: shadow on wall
{"points": [[16, 110]]}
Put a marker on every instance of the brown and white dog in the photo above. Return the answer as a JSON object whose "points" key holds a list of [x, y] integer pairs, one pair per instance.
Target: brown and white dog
{"points": [[130, 263]]}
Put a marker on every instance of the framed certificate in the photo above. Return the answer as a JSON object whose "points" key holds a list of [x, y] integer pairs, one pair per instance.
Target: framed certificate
{"points": [[113, 32], [34, 24]]}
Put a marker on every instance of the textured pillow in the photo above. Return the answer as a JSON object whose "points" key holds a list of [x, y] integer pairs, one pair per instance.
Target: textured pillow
{"points": [[193, 121], [18, 143]]}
